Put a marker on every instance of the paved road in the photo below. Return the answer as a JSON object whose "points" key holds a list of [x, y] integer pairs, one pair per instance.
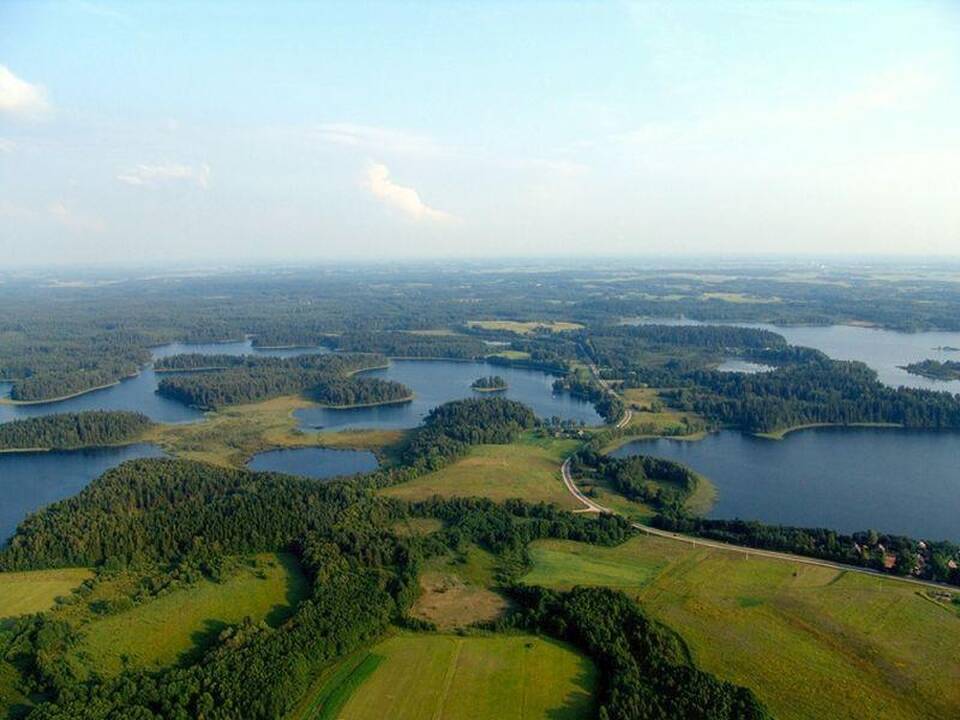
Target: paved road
{"points": [[624, 419], [591, 506]]}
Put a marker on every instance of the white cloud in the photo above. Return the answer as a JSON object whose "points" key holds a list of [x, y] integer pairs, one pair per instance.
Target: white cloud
{"points": [[165, 173], [20, 98], [405, 199], [7, 146], [74, 220], [377, 139]]}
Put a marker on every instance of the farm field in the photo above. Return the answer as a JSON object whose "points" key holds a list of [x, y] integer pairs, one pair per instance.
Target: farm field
{"points": [[34, 591], [514, 676], [812, 642], [455, 590], [171, 627], [524, 328], [529, 470]]}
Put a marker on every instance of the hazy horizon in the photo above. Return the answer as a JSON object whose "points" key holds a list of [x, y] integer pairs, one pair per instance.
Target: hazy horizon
{"points": [[203, 133]]}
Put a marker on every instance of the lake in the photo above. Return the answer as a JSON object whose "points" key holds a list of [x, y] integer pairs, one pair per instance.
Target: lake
{"points": [[847, 479], [435, 382], [29, 481], [883, 350], [139, 393], [315, 462]]}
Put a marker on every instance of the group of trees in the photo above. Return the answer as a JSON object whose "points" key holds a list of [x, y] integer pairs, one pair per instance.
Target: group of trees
{"points": [[581, 385], [411, 345], [345, 392], [662, 484], [248, 379], [896, 554], [73, 430], [490, 383], [946, 370], [646, 670]]}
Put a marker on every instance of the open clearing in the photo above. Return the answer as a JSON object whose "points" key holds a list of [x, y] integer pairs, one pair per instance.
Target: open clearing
{"points": [[523, 328], [445, 676], [31, 592], [455, 590], [812, 642], [529, 470], [162, 631]]}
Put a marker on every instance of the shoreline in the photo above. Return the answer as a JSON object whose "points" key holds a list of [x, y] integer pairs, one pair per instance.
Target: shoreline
{"points": [[61, 398], [355, 406], [490, 390]]}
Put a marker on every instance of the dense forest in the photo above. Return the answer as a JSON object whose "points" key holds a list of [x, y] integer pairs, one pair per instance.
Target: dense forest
{"points": [[73, 430], [359, 391], [662, 484], [946, 370], [251, 379], [895, 554], [583, 386], [411, 345]]}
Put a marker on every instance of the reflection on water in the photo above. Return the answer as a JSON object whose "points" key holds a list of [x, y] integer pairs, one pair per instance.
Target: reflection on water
{"points": [[315, 462]]}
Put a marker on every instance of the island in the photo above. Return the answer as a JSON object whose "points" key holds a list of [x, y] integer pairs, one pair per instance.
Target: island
{"points": [[491, 383], [934, 369]]}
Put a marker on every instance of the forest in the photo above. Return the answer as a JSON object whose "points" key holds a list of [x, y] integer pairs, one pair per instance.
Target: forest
{"points": [[66, 431], [249, 379], [358, 391], [663, 484], [490, 383]]}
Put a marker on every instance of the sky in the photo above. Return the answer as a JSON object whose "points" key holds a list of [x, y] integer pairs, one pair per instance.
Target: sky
{"points": [[211, 131]]}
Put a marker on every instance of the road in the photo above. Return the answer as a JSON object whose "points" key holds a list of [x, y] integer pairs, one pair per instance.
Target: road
{"points": [[591, 506]]}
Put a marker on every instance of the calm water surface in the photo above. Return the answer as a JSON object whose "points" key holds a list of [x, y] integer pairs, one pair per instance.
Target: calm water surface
{"points": [[435, 382], [892, 480], [28, 481], [315, 462]]}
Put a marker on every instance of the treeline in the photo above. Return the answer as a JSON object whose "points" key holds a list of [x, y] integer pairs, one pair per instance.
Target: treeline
{"points": [[832, 391], [946, 370], [894, 554], [185, 362], [413, 345], [645, 669], [253, 379], [451, 428], [73, 430], [662, 484], [580, 385], [359, 391]]}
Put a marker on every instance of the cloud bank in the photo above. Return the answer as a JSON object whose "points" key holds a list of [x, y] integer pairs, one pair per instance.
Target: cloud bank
{"points": [[21, 99], [405, 199], [166, 173]]}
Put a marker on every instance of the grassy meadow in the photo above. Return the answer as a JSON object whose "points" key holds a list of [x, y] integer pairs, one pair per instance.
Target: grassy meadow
{"points": [[529, 470], [22, 593], [812, 642], [411, 677], [175, 626], [455, 590], [524, 328]]}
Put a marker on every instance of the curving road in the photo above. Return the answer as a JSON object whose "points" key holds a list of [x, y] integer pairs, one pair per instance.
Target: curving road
{"points": [[591, 506]]}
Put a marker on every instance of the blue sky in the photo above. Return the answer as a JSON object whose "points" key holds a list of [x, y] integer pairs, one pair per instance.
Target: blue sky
{"points": [[196, 131]]}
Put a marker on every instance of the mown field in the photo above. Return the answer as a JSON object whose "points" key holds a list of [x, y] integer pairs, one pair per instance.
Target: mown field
{"points": [[524, 328], [22, 593], [412, 677], [811, 642], [455, 590], [174, 626], [529, 470]]}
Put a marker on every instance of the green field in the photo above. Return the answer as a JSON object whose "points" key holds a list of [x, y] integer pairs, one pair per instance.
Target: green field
{"points": [[30, 592], [529, 470], [812, 642], [178, 625], [412, 677], [455, 590]]}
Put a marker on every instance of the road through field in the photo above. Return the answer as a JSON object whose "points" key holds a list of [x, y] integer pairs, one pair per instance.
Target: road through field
{"points": [[591, 506]]}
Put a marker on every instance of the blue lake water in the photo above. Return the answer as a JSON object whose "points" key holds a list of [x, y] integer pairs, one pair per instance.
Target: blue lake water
{"points": [[892, 480], [28, 481], [435, 382], [315, 462]]}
